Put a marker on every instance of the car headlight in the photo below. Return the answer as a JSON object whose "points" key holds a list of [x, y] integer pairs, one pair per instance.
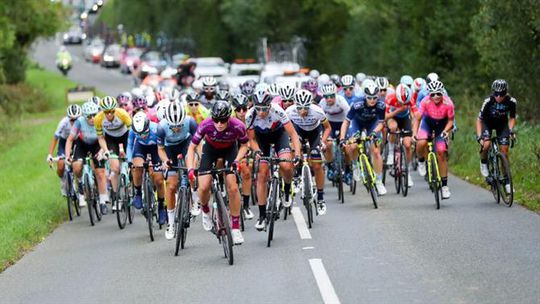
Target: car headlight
{"points": [[108, 58], [83, 36], [66, 36], [95, 52]]}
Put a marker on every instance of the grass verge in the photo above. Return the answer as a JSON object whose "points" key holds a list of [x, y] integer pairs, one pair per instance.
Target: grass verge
{"points": [[524, 157]]}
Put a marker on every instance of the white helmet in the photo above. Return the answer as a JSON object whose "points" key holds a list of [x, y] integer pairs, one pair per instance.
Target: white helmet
{"points": [[287, 91], [418, 84], [197, 85], [360, 77], [368, 82], [403, 93], [209, 81], [162, 105], [432, 77], [175, 114], [371, 89], [74, 111], [273, 89], [303, 98], [140, 123], [323, 78], [329, 89], [347, 80], [89, 108], [406, 80], [137, 92], [261, 87], [314, 74], [435, 86], [382, 82]]}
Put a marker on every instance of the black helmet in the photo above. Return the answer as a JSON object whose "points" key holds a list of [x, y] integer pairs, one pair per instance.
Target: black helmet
{"points": [[193, 97], [223, 95], [221, 110], [239, 100], [499, 86]]}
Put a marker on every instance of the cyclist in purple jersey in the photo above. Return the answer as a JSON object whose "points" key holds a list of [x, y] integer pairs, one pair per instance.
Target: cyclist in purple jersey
{"points": [[222, 135]]}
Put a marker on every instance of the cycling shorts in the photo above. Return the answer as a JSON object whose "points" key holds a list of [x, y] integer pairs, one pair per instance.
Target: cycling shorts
{"points": [[61, 150], [502, 131], [82, 149], [210, 155], [313, 137], [280, 139], [404, 124], [357, 127], [428, 126], [113, 142], [141, 151], [336, 128], [173, 151]]}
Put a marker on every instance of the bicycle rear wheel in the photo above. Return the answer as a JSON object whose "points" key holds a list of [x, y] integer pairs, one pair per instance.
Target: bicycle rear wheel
{"points": [[435, 183], [308, 195], [121, 203], [87, 190], [224, 229], [404, 172], [505, 178], [271, 212], [341, 195]]}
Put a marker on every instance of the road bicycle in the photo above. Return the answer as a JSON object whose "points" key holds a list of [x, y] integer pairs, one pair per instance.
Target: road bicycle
{"points": [[362, 166], [69, 189], [500, 174], [306, 186], [123, 197], [90, 190], [433, 174], [400, 169], [339, 168], [148, 197]]}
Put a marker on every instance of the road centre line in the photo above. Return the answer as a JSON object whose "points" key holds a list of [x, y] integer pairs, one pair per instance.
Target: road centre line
{"points": [[300, 222], [323, 282]]}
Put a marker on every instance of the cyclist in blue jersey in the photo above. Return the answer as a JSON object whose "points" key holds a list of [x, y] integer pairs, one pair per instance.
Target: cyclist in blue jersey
{"points": [[348, 89]]}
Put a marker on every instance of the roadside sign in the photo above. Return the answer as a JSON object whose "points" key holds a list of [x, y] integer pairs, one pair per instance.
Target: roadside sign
{"points": [[79, 94]]}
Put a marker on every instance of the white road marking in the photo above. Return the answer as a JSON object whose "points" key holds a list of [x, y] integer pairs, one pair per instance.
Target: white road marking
{"points": [[308, 248], [323, 282], [301, 224]]}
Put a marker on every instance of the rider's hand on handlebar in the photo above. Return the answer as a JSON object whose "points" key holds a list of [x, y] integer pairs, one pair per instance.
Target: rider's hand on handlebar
{"points": [[444, 134], [296, 160], [49, 159], [191, 175], [166, 165], [342, 142], [323, 146], [257, 154], [236, 166], [69, 160]]}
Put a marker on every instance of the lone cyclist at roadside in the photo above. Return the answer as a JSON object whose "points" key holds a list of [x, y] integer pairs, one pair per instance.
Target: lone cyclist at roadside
{"points": [[498, 113]]}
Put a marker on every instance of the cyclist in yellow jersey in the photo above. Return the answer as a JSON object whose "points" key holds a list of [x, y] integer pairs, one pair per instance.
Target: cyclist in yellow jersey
{"points": [[112, 127], [194, 107]]}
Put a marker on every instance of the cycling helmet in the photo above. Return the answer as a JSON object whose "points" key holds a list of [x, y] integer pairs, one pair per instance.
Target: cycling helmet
{"points": [[193, 97], [314, 74], [89, 108], [223, 95], [174, 94], [247, 90], [124, 97], [94, 99], [174, 113], [160, 109], [221, 110], [382, 82], [197, 85], [406, 80], [140, 123], [139, 102], [435, 86], [328, 89], [223, 86], [108, 103], [324, 78], [74, 111], [347, 80], [432, 77], [250, 83], [137, 92], [335, 79], [403, 94], [312, 85], [209, 81], [303, 98], [273, 89], [286, 92], [261, 87], [371, 89], [360, 77], [418, 84], [262, 98], [499, 86], [240, 100], [368, 82]]}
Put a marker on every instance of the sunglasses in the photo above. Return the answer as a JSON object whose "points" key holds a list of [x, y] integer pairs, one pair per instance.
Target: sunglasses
{"points": [[300, 108], [90, 116], [329, 96], [72, 119], [435, 94], [288, 101], [262, 108], [123, 105], [371, 97], [175, 128], [109, 112], [348, 88], [499, 94], [241, 109], [382, 90], [209, 89], [193, 104], [222, 120]]}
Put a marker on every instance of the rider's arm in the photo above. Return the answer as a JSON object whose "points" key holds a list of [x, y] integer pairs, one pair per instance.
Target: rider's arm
{"points": [[327, 130], [344, 128], [191, 155], [294, 138], [241, 152], [54, 141], [69, 145], [131, 142], [512, 114], [252, 140], [162, 154]]}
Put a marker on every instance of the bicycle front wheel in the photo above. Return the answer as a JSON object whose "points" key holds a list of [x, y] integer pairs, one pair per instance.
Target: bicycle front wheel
{"points": [[179, 228], [370, 182], [435, 183], [271, 211], [504, 179], [492, 180], [397, 169], [121, 203], [308, 194], [149, 206], [404, 172], [224, 230], [89, 198]]}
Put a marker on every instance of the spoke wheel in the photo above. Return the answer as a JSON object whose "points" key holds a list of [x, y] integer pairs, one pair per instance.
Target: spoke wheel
{"points": [[308, 194], [397, 169], [224, 229], [96, 205], [148, 208], [435, 183], [505, 178], [271, 212], [370, 185], [89, 199], [404, 172], [493, 180], [121, 203]]}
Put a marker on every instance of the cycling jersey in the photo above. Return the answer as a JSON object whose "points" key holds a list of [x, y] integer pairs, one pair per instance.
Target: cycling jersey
{"points": [[392, 104], [235, 131], [423, 93], [84, 131], [277, 100], [365, 115], [169, 137], [275, 119], [208, 103], [443, 110], [135, 141], [336, 112], [311, 121], [117, 127], [201, 114], [63, 129], [350, 100], [497, 113]]}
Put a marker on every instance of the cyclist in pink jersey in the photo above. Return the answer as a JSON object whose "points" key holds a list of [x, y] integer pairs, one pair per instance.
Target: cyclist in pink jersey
{"points": [[436, 115]]}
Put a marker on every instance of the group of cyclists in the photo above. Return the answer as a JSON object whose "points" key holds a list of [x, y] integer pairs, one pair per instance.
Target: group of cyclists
{"points": [[212, 126]]}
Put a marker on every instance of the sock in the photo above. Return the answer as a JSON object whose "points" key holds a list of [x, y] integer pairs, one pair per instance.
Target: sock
{"points": [[235, 222], [287, 190], [409, 166], [138, 190], [379, 177], [205, 208], [320, 194], [390, 147], [195, 196], [102, 198], [171, 214], [246, 201], [160, 203], [483, 161], [444, 181], [262, 211], [421, 159]]}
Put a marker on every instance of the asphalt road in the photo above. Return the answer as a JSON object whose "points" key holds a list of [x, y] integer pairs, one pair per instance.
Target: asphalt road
{"points": [[470, 251]]}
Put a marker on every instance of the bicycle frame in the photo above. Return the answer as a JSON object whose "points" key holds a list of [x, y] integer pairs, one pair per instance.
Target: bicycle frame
{"points": [[432, 156], [364, 159]]}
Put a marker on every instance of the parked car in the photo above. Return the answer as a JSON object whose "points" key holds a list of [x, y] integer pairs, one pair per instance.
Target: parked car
{"points": [[210, 66], [242, 72], [92, 52], [154, 59], [111, 56], [130, 60], [74, 36]]}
